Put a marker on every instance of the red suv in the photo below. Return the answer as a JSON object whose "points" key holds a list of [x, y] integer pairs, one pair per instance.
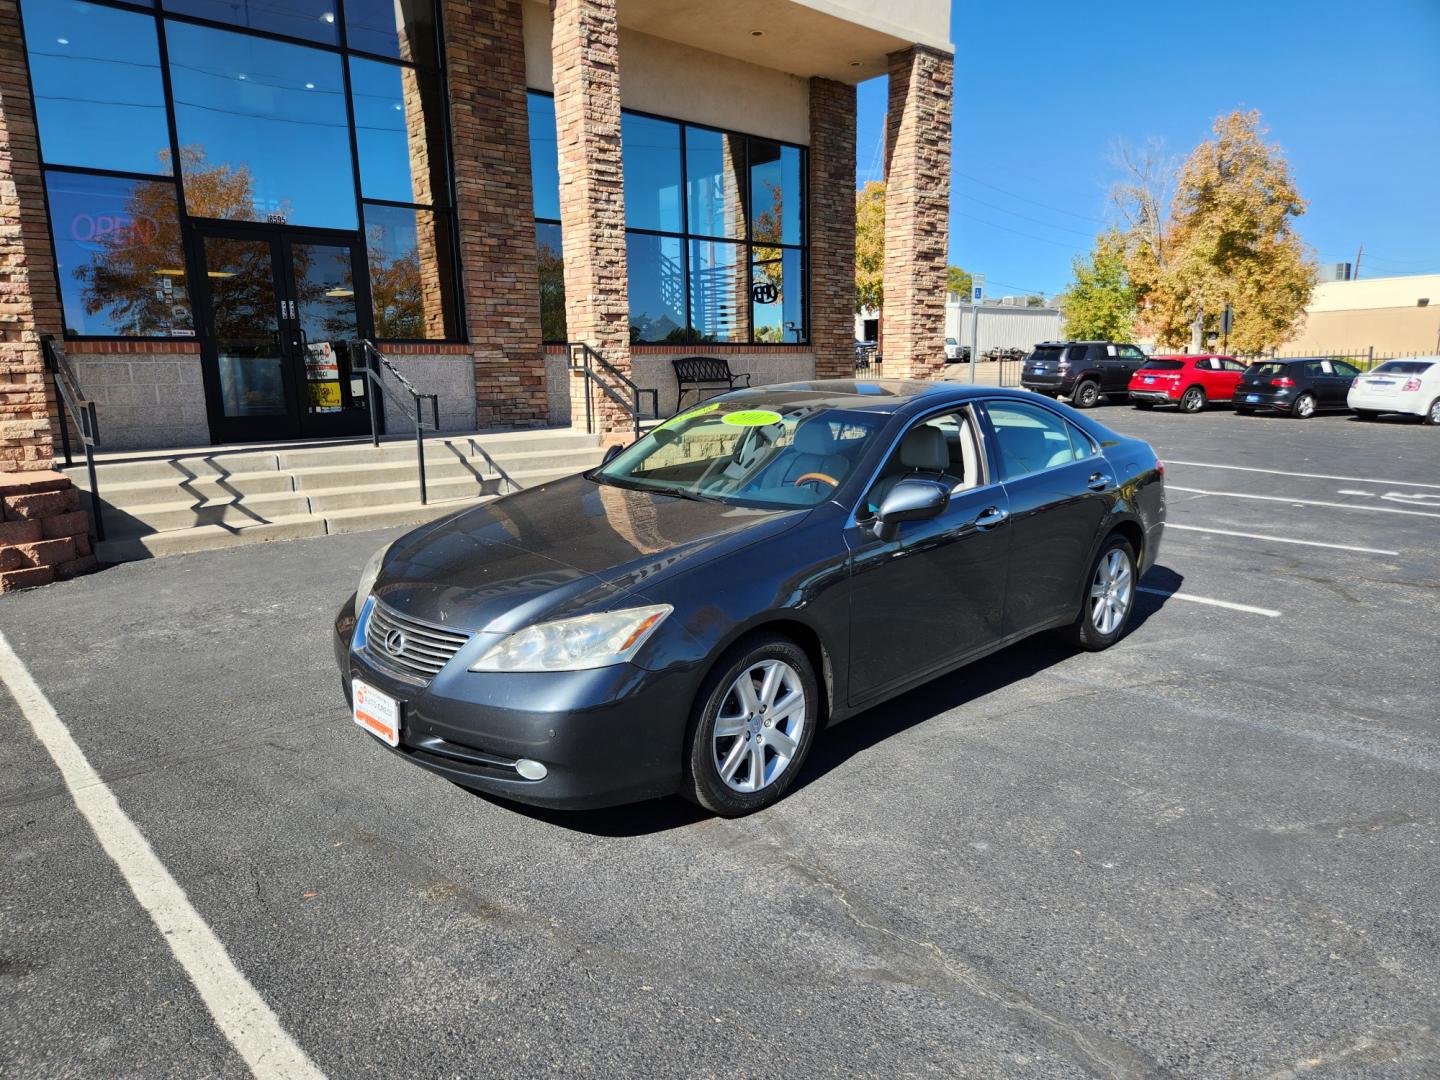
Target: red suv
{"points": [[1187, 381]]}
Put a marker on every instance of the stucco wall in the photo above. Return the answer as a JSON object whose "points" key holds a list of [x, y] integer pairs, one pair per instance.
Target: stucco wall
{"points": [[450, 377], [662, 77], [1386, 330]]}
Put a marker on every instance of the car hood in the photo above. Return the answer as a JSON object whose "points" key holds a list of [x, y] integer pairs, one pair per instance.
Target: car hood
{"points": [[559, 549]]}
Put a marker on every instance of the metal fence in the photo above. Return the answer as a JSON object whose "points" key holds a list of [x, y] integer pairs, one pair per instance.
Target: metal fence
{"points": [[1364, 359]]}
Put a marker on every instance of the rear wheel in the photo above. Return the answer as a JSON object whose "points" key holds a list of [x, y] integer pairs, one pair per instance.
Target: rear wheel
{"points": [[754, 721], [1087, 394], [1304, 407], [1432, 415], [1109, 597], [1193, 400]]}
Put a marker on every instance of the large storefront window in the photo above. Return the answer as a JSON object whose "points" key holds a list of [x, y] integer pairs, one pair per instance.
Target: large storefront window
{"points": [[715, 232], [339, 128]]}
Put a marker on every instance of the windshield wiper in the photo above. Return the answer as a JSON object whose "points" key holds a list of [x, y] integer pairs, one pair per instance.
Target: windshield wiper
{"points": [[651, 489]]}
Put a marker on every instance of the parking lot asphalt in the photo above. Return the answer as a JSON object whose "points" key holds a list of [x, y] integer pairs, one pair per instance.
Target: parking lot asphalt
{"points": [[1210, 851]]}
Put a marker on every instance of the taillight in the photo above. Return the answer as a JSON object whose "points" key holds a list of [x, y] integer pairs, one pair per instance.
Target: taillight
{"points": [[1159, 466], [1413, 384], [1284, 380]]}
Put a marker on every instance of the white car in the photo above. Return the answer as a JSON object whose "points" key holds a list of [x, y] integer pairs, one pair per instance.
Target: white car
{"points": [[952, 350], [1399, 386]]}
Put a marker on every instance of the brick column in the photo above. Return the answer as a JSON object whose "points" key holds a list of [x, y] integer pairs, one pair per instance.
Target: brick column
{"points": [[832, 240], [485, 56], [917, 208], [29, 303], [586, 52]]}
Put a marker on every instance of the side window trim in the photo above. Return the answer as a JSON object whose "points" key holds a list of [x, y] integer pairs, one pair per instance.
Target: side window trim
{"points": [[994, 440], [989, 462]]}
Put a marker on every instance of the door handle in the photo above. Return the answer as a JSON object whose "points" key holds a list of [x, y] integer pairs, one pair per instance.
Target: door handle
{"points": [[991, 517], [1098, 482]]}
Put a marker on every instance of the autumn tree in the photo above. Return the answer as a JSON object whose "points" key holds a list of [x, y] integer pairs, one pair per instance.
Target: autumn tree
{"points": [[1100, 304], [958, 281], [1228, 238], [870, 246]]}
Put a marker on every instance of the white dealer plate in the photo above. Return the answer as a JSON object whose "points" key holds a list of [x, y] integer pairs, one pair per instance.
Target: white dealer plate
{"points": [[376, 712], [1252, 397]]}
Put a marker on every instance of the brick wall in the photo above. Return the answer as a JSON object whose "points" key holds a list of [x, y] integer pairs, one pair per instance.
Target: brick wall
{"points": [[917, 207], [485, 54], [586, 63], [832, 237], [44, 534], [29, 303]]}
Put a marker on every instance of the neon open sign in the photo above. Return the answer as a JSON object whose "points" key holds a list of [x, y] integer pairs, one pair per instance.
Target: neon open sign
{"points": [[113, 230]]}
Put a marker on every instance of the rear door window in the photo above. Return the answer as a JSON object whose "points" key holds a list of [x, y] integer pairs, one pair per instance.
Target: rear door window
{"points": [[1344, 370], [1031, 439]]}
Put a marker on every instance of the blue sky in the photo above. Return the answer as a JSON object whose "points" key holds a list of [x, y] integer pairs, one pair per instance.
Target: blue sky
{"points": [[1043, 91]]}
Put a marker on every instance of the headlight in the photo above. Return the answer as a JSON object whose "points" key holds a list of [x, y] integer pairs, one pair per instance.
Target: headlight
{"points": [[368, 576], [589, 641]]}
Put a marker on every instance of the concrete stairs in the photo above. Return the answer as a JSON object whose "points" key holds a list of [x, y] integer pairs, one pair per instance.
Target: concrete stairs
{"points": [[170, 502]]}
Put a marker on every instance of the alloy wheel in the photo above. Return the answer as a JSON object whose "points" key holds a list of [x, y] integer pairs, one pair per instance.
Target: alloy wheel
{"points": [[1088, 395], [1111, 592], [759, 727], [1194, 400], [1305, 406], [1434, 416]]}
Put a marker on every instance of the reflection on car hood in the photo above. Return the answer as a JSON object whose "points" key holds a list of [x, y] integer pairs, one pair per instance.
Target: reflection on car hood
{"points": [[561, 548]]}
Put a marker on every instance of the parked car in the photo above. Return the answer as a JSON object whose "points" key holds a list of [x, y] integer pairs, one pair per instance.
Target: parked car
{"points": [[689, 615], [1192, 382], [1300, 387], [1399, 386], [955, 353], [1083, 371]]}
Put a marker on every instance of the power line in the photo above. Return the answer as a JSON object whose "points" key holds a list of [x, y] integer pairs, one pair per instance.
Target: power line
{"points": [[1026, 217], [1032, 202], [1017, 232]]}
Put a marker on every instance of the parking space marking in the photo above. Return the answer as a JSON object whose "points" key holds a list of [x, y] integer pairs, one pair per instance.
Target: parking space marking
{"points": [[1209, 602], [1281, 539], [1303, 475], [1303, 502], [242, 1016]]}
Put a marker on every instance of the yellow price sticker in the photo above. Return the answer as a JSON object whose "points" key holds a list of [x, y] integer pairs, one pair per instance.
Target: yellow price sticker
{"points": [[751, 418]]}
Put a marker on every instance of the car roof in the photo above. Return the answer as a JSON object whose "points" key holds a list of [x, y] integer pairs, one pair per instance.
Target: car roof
{"points": [[1192, 356], [866, 395]]}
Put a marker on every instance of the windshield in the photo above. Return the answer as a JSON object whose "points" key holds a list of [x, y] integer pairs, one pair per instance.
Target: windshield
{"points": [[1258, 370], [1163, 365], [1046, 353], [731, 451], [1403, 367]]}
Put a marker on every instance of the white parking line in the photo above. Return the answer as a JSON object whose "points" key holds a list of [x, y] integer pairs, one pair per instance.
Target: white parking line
{"points": [[1305, 475], [239, 1012], [1303, 502], [1208, 602], [1280, 539]]}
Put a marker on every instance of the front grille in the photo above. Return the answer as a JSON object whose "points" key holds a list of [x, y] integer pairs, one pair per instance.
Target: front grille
{"points": [[407, 647]]}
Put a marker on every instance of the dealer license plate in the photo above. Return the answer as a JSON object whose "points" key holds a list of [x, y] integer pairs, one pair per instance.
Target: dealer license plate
{"points": [[1148, 380], [1252, 397], [376, 712]]}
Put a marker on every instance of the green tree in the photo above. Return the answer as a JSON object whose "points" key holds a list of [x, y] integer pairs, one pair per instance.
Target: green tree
{"points": [[870, 246], [958, 281], [1100, 304]]}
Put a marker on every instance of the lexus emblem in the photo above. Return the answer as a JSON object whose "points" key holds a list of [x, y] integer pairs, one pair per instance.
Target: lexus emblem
{"points": [[395, 642]]}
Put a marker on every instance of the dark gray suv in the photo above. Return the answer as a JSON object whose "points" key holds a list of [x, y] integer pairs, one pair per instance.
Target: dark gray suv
{"points": [[1083, 371]]}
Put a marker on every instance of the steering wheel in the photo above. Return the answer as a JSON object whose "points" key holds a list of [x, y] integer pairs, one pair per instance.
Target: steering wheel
{"points": [[823, 477]]}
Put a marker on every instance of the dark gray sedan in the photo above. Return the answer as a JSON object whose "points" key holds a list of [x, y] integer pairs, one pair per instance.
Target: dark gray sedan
{"points": [[690, 615]]}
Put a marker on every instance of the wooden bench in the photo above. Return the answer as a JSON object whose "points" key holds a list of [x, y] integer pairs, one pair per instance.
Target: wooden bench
{"points": [[699, 373]]}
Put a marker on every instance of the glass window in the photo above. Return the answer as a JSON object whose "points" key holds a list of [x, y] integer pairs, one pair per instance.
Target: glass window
{"points": [[404, 29], [265, 122], [398, 132], [719, 291], [657, 287], [412, 273], [776, 184], [651, 152], [312, 19], [777, 295], [117, 250], [715, 183], [544, 157], [98, 91], [1031, 439], [552, 281]]}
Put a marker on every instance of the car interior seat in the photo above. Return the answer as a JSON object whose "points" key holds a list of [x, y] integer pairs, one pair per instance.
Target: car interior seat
{"points": [[924, 453]]}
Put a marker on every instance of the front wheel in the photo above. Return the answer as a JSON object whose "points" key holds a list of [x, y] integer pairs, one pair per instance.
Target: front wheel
{"points": [[754, 721], [1193, 400], [1087, 394], [1304, 407], [1109, 598]]}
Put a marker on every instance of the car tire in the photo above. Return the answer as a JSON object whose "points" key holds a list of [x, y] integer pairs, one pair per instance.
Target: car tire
{"points": [[1093, 629], [1304, 407], [722, 701], [1432, 414], [1193, 400], [1087, 395]]}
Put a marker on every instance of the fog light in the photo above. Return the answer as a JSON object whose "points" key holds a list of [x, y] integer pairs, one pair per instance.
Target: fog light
{"points": [[530, 770]]}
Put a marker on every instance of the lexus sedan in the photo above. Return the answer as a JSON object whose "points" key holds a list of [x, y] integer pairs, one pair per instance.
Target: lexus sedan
{"points": [[1399, 386], [1298, 388], [690, 615]]}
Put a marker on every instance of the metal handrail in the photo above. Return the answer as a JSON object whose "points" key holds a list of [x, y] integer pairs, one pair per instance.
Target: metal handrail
{"points": [[369, 352], [68, 395], [589, 359]]}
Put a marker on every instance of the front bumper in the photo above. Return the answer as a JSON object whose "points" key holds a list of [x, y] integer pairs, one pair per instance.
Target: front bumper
{"points": [[1409, 402], [605, 736]]}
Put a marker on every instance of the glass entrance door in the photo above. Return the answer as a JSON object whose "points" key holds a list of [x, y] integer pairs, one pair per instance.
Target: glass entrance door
{"points": [[279, 312]]}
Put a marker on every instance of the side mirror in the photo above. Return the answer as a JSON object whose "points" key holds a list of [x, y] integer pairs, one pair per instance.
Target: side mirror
{"points": [[611, 453], [910, 500]]}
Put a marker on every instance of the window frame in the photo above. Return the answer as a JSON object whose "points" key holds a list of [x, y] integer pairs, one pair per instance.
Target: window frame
{"points": [[747, 243], [155, 9], [1069, 427]]}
